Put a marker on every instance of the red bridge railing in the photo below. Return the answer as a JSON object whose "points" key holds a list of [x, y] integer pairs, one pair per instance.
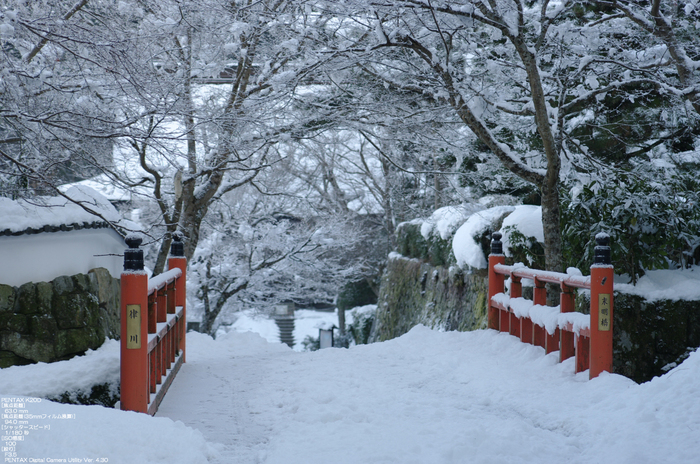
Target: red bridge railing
{"points": [[587, 337], [153, 327]]}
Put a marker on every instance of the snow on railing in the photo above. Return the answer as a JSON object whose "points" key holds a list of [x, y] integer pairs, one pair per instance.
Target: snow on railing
{"points": [[152, 344], [556, 328], [158, 282]]}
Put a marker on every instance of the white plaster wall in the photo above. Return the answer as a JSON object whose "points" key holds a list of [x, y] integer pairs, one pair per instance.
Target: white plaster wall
{"points": [[43, 257]]}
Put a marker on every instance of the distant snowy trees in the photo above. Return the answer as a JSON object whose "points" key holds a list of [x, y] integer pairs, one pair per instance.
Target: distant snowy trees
{"points": [[268, 130], [540, 83], [56, 118]]}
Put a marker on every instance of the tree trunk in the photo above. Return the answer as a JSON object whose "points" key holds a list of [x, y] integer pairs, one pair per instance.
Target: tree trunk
{"points": [[341, 322], [553, 250]]}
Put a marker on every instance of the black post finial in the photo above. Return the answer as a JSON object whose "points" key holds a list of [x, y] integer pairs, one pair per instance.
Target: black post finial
{"points": [[602, 249], [496, 244], [177, 247], [133, 256]]}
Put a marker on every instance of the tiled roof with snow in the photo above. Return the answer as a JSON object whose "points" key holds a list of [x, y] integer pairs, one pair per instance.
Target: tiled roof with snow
{"points": [[52, 214]]}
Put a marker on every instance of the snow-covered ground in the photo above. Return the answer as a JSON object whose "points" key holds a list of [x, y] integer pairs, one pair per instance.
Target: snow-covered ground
{"points": [[426, 397], [307, 322]]}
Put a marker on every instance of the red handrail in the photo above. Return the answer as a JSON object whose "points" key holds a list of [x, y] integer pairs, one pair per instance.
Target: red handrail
{"points": [[562, 329], [149, 367]]}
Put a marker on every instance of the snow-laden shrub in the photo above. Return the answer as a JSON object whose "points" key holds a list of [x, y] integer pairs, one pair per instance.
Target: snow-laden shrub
{"points": [[361, 326], [431, 239], [524, 249], [430, 247], [521, 227], [652, 225], [445, 221], [311, 343], [523, 236]]}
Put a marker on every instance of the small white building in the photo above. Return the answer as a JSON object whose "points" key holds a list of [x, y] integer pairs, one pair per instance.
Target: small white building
{"points": [[44, 238]]}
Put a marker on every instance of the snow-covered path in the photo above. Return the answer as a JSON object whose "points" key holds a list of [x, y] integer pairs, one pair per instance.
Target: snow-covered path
{"points": [[427, 397]]}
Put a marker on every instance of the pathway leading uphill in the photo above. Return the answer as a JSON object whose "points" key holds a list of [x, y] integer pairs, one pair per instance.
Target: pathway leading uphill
{"points": [[428, 397]]}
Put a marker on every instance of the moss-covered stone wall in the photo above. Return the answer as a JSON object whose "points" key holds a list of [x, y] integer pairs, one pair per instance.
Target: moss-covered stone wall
{"points": [[423, 285], [52, 321], [650, 337], [435, 250], [413, 292]]}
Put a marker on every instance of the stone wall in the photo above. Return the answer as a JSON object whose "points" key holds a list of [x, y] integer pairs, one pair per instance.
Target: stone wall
{"points": [[423, 285], [650, 337], [52, 321], [413, 292]]}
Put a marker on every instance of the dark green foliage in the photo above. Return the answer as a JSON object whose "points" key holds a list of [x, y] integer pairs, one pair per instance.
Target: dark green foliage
{"points": [[361, 326], [685, 141], [358, 293], [624, 122], [525, 250], [411, 243], [311, 343], [440, 251], [651, 225]]}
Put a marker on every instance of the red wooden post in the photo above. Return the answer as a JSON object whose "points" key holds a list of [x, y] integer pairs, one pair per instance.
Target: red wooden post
{"points": [[567, 338], [526, 330], [496, 281], [171, 297], [163, 353], [167, 362], [516, 291], [551, 341], [152, 324], [539, 298], [504, 320], [134, 330], [159, 361], [583, 345], [152, 371], [602, 274], [172, 335], [538, 335], [162, 303], [177, 260]]}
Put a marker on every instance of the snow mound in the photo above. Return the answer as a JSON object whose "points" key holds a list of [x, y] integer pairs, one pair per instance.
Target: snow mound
{"points": [[663, 284], [425, 397], [248, 343], [102, 433], [527, 219], [79, 374], [446, 220], [431, 396], [466, 249]]}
